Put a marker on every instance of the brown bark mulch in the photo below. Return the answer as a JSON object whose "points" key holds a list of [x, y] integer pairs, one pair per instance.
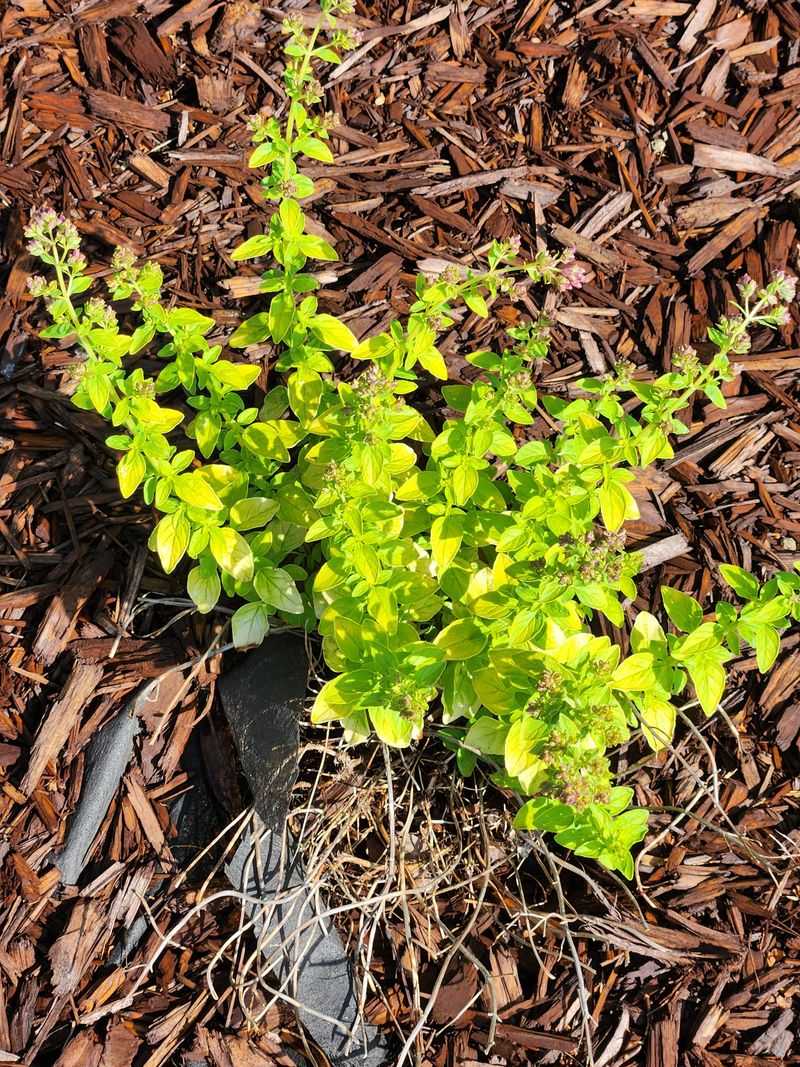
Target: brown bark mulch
{"points": [[661, 139]]}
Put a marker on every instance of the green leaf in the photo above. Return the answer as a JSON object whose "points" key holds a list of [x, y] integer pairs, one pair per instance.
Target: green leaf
{"points": [[342, 695], [602, 599], [206, 429], [276, 587], [447, 532], [431, 360], [281, 315], [305, 393], [647, 633], [314, 149], [58, 329], [110, 344], [328, 54], [515, 412], [631, 826], [542, 813], [189, 319], [232, 553], [652, 443], [462, 639], [153, 417], [485, 360], [236, 375], [616, 505], [80, 283], [767, 646], [273, 439], [252, 512], [494, 692], [365, 560], [292, 217], [99, 389], [682, 609], [203, 586], [533, 453], [658, 721], [252, 248], [715, 395], [391, 727], [634, 673], [520, 740], [464, 483], [487, 735], [141, 337], [620, 797], [466, 762], [705, 638], [382, 606], [708, 677], [250, 625], [195, 490], [120, 442], [334, 333], [262, 154], [316, 248], [251, 332], [131, 470], [425, 661], [374, 347], [740, 581], [171, 537], [769, 610], [476, 303]]}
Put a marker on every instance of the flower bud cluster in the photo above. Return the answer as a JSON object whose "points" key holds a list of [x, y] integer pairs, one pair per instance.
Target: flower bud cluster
{"points": [[532, 338], [599, 557], [51, 235], [98, 313], [685, 360], [559, 269]]}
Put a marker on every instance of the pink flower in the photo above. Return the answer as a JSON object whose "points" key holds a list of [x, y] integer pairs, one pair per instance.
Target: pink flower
{"points": [[573, 276]]}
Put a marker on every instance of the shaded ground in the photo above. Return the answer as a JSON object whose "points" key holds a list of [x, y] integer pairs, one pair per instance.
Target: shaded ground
{"points": [[662, 140]]}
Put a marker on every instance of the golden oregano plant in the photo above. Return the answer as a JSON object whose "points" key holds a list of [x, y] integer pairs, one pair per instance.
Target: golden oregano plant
{"points": [[456, 567]]}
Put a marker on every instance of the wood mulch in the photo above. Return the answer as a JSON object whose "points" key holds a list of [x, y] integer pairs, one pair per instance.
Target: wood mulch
{"points": [[661, 139]]}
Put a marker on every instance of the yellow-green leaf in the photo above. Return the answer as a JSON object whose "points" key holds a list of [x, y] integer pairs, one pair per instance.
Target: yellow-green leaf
{"points": [[391, 727], [131, 470], [250, 625], [462, 639], [334, 333], [253, 247], [204, 588], [658, 721], [195, 490], [171, 537], [232, 553], [446, 535], [635, 673], [252, 512]]}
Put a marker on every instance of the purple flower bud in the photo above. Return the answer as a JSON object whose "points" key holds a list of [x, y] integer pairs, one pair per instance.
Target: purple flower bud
{"points": [[36, 285], [746, 286], [573, 276]]}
